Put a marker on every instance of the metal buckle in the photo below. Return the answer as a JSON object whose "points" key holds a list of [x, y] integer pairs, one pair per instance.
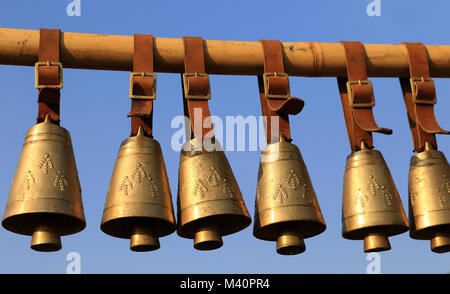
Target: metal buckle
{"points": [[143, 74], [185, 86], [48, 63], [414, 90], [351, 96], [266, 85]]}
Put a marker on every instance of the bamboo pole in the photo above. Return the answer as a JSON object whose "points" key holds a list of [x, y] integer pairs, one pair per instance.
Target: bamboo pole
{"points": [[113, 52]]}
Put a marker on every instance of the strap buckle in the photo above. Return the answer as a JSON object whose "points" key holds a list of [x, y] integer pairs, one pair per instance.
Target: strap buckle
{"points": [[351, 94], [48, 63], [186, 86], [415, 90], [143, 97], [266, 85]]}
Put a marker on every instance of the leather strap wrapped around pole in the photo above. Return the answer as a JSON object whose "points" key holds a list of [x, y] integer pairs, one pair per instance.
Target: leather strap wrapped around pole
{"points": [[196, 89], [142, 85], [49, 75], [357, 98], [276, 100], [419, 94]]}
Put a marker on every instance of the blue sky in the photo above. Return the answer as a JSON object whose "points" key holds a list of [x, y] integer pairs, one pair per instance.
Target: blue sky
{"points": [[94, 105]]}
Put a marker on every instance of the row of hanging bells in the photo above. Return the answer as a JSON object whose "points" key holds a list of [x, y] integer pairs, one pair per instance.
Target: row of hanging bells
{"points": [[45, 195]]}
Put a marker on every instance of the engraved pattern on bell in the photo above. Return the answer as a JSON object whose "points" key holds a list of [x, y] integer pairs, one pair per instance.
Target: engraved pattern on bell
{"points": [[371, 206], [139, 205], [45, 194], [210, 203], [429, 193], [286, 205]]}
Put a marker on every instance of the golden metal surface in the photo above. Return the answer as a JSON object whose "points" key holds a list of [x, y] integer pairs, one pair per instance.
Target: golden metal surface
{"points": [[375, 242], [286, 210], [45, 196], [429, 197], [45, 238], [210, 203], [289, 242], [441, 243], [208, 238], [144, 238], [139, 203], [371, 206]]}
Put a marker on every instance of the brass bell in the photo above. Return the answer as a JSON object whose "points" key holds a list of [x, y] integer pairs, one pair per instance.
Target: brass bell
{"points": [[139, 203], [45, 195], [286, 209], [429, 197], [210, 204], [371, 207]]}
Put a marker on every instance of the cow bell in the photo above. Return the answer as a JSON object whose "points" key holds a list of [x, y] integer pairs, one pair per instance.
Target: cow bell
{"points": [[429, 197], [139, 203], [286, 209], [45, 195], [210, 203], [371, 207]]}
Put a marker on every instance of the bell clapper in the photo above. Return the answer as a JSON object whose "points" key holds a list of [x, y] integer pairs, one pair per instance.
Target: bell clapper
{"points": [[45, 238], [207, 238], [290, 242], [376, 242], [440, 243], [144, 239]]}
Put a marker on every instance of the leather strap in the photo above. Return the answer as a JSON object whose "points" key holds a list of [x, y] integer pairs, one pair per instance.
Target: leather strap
{"points": [[420, 101], [275, 93], [196, 85], [142, 109], [358, 113], [49, 98]]}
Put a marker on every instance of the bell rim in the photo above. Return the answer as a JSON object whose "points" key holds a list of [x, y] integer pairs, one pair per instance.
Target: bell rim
{"points": [[239, 221], [123, 227], [14, 223], [271, 231], [389, 230], [429, 232]]}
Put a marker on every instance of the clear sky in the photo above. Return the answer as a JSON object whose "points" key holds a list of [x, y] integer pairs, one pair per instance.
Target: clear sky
{"points": [[94, 105]]}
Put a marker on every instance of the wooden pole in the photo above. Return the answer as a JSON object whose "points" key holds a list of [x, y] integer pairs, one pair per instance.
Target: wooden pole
{"points": [[112, 52]]}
